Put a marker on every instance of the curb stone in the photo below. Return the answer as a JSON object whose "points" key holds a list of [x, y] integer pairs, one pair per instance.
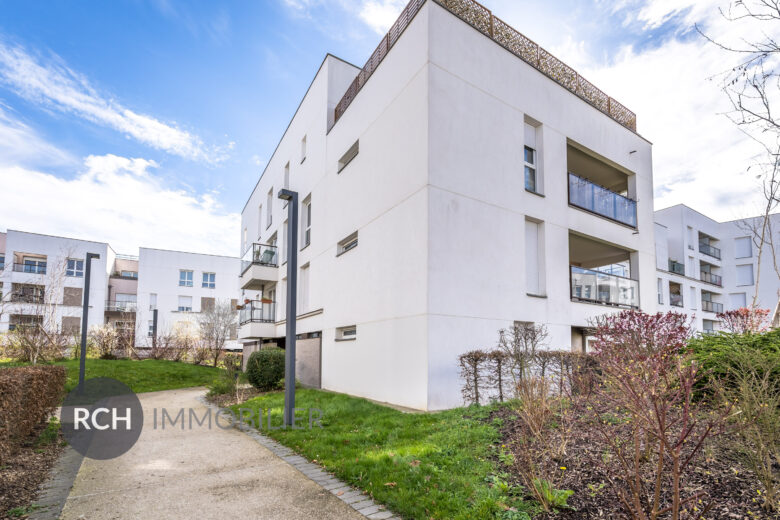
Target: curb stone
{"points": [[353, 497], [54, 492]]}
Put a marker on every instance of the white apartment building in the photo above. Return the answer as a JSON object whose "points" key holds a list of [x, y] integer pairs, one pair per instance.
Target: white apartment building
{"points": [[42, 279], [180, 285], [463, 180], [706, 267]]}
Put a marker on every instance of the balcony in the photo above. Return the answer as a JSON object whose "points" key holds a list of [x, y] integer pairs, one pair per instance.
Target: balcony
{"points": [[711, 306], [709, 250], [593, 198], [37, 268], [676, 300], [117, 306], [259, 266], [676, 267], [714, 279], [606, 289], [257, 318]]}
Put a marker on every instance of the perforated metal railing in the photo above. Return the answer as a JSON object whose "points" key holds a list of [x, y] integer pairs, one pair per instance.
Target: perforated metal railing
{"points": [[482, 19]]}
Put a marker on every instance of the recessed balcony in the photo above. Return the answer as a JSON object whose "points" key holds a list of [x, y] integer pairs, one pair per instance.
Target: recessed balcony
{"points": [[601, 273], [714, 279], [257, 319], [709, 250], [710, 306], [259, 266], [121, 306], [30, 268], [676, 267]]}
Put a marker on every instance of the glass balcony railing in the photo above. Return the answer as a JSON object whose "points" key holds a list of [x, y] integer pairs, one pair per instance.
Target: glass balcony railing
{"points": [[115, 306], [676, 267], [257, 311], [601, 201], [709, 250], [711, 278], [37, 268], [260, 254], [608, 289], [676, 300], [710, 306]]}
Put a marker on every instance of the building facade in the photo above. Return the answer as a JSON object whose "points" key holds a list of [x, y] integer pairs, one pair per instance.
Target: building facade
{"points": [[447, 190], [42, 282], [706, 267]]}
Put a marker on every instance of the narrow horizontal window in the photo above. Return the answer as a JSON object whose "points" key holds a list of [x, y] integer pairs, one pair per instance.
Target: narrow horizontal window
{"points": [[346, 333], [349, 155], [348, 243]]}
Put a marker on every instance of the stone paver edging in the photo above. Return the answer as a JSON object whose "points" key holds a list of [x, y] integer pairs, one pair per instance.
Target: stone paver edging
{"points": [[55, 490], [356, 499]]}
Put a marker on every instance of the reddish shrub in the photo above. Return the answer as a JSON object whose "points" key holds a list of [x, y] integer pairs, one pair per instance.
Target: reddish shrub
{"points": [[27, 396], [745, 320]]}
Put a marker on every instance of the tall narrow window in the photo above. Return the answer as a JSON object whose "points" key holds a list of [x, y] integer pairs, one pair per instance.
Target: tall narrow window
{"points": [[152, 301], [303, 289], [185, 278], [269, 208], [660, 291], [533, 260], [306, 222], [743, 248], [259, 220], [692, 301], [284, 242], [244, 241], [303, 149], [531, 159]]}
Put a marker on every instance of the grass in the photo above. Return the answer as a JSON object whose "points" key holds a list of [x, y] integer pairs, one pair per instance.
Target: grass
{"points": [[149, 375], [436, 465]]}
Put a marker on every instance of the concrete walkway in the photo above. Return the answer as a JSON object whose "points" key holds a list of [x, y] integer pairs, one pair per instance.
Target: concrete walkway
{"points": [[198, 473]]}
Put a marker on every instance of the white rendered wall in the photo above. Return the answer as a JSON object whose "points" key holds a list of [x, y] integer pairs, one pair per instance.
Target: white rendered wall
{"points": [[158, 273]]}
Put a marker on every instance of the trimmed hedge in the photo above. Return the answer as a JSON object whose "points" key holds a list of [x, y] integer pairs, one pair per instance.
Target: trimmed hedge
{"points": [[265, 369], [27, 396]]}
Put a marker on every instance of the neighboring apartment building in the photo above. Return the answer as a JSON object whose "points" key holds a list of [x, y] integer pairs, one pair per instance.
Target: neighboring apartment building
{"points": [[42, 281], [180, 285], [462, 181], [706, 267]]}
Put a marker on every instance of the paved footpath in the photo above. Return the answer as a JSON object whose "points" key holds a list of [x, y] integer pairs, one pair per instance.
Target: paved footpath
{"points": [[200, 473]]}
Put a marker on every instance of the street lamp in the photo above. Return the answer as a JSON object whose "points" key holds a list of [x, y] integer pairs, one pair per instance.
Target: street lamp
{"points": [[292, 284], [84, 316]]}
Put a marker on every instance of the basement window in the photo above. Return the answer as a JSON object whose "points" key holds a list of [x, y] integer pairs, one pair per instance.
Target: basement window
{"points": [[348, 333], [349, 155], [348, 243]]}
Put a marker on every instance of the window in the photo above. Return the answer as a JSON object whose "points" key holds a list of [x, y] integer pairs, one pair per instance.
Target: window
{"points": [[128, 274], [244, 241], [531, 159], [152, 301], [2, 262], [708, 326], [660, 291], [743, 247], [185, 278], [534, 261], [74, 268], [259, 220], [185, 304], [150, 332], [303, 149], [348, 243], [207, 304], [745, 274], [209, 281], [346, 333], [269, 208], [693, 298], [306, 222], [287, 175], [303, 289], [348, 156], [737, 300]]}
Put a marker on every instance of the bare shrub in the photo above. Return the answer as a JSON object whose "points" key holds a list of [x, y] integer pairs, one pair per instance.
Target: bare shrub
{"points": [[104, 340], [520, 343], [472, 366], [217, 323]]}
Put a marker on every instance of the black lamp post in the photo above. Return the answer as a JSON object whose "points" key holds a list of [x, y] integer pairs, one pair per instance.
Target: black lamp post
{"points": [[292, 285], [84, 316]]}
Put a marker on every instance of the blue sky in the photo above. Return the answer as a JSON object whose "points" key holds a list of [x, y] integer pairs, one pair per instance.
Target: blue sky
{"points": [[147, 123]]}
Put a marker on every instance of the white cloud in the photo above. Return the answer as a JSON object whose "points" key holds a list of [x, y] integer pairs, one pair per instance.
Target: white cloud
{"points": [[20, 144], [52, 83], [380, 14], [117, 200]]}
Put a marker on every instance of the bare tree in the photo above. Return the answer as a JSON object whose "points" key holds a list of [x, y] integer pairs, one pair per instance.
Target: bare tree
{"points": [[520, 343], [753, 89], [217, 323]]}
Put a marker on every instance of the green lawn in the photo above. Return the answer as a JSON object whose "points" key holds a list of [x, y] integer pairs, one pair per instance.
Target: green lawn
{"points": [[438, 465], [149, 375]]}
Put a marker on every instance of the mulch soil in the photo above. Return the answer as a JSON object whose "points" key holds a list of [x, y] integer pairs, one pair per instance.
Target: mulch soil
{"points": [[729, 487], [24, 472], [225, 400]]}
